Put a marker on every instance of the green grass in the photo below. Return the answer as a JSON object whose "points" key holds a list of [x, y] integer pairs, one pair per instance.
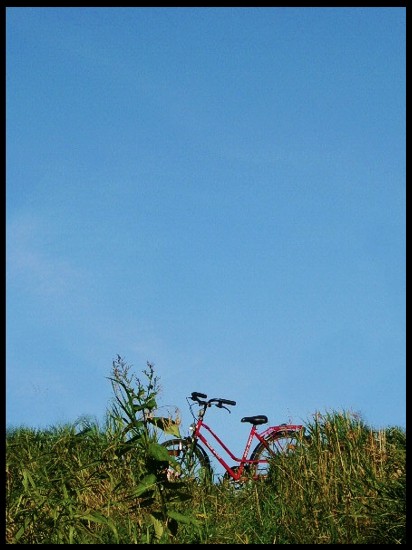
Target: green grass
{"points": [[88, 483]]}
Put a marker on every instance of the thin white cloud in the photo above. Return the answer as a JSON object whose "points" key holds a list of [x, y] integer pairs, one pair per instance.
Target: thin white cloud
{"points": [[32, 260]]}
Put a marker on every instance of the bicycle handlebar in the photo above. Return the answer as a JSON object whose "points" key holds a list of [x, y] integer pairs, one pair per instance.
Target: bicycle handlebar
{"points": [[218, 401]]}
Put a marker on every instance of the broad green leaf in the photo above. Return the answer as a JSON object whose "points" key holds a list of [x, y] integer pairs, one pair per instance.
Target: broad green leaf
{"points": [[19, 533], [177, 496], [133, 425], [151, 404], [181, 517], [27, 479], [94, 516], [124, 448], [158, 526], [113, 527], [148, 482], [167, 425], [158, 452]]}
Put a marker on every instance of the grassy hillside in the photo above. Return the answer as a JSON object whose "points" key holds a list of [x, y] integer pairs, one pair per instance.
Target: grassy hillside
{"points": [[85, 483]]}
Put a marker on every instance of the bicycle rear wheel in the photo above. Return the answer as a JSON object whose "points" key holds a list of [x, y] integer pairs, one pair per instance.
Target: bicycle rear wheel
{"points": [[193, 464], [278, 443]]}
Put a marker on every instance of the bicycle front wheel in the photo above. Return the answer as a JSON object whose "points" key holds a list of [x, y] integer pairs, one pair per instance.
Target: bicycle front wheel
{"points": [[279, 443], [189, 461]]}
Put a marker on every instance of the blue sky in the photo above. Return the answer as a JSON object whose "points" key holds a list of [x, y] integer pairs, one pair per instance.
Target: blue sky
{"points": [[219, 191]]}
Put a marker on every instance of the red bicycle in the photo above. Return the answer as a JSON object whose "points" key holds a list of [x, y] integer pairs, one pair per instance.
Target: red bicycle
{"points": [[191, 461]]}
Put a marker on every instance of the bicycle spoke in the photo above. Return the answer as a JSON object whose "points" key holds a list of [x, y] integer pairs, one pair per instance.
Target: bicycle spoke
{"points": [[282, 443]]}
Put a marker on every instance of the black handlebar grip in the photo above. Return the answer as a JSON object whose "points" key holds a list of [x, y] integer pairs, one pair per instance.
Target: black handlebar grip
{"points": [[221, 401], [196, 394]]}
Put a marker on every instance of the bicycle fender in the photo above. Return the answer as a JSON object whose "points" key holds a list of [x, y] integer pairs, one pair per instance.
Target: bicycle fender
{"points": [[282, 428]]}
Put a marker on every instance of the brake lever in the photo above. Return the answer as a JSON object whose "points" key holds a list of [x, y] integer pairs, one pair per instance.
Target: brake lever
{"points": [[223, 407]]}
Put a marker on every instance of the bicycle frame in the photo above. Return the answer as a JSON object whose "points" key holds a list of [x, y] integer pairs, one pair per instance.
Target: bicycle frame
{"points": [[244, 461]]}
